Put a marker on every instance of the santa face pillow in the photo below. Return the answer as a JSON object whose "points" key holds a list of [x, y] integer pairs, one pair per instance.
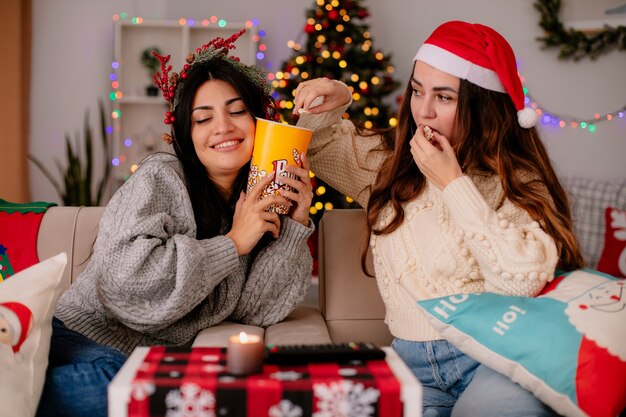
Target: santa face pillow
{"points": [[567, 346], [27, 302]]}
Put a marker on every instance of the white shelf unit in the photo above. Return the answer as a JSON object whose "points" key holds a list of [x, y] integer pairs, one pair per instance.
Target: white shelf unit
{"points": [[138, 118]]}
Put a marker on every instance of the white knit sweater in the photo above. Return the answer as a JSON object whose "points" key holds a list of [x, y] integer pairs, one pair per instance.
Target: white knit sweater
{"points": [[464, 239]]}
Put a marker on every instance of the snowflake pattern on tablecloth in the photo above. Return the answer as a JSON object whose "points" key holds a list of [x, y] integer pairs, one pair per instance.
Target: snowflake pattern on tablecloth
{"points": [[344, 399], [285, 408], [142, 389], [190, 401]]}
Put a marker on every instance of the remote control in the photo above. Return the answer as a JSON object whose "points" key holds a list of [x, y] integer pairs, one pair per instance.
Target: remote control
{"points": [[331, 352]]}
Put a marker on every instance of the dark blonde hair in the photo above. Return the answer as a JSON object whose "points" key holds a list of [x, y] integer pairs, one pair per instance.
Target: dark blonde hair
{"points": [[490, 140]]}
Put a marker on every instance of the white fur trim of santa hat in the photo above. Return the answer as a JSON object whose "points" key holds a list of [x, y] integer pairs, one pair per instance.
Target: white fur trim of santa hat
{"points": [[459, 67], [480, 55], [13, 321], [20, 319]]}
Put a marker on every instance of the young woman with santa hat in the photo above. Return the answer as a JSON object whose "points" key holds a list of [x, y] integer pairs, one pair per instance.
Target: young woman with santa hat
{"points": [[460, 197]]}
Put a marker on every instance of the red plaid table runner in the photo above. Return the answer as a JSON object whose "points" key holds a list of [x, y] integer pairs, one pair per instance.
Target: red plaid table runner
{"points": [[195, 382]]}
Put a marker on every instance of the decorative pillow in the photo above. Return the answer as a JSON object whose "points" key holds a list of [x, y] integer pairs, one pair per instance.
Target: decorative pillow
{"points": [[613, 258], [567, 346], [27, 302]]}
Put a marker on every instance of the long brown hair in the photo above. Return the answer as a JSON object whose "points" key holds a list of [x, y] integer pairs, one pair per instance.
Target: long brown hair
{"points": [[213, 208], [492, 141]]}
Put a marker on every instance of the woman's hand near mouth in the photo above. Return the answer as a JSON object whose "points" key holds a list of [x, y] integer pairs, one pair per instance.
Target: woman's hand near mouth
{"points": [[435, 157]]}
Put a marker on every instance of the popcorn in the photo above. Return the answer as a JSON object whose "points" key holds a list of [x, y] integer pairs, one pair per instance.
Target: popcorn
{"points": [[428, 132], [316, 102]]}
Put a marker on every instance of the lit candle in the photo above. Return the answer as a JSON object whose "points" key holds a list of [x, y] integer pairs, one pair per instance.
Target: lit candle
{"points": [[245, 354]]}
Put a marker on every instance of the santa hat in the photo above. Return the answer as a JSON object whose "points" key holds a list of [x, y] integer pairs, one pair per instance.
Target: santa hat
{"points": [[480, 55], [20, 320]]}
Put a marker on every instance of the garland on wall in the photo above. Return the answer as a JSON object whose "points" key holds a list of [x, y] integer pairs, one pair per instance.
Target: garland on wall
{"points": [[574, 43]]}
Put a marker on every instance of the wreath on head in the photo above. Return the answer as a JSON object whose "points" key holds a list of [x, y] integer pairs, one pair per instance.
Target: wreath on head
{"points": [[574, 43]]}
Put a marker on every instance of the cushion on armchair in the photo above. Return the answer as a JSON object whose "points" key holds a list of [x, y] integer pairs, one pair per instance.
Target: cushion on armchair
{"points": [[27, 302], [613, 258], [589, 199], [566, 346]]}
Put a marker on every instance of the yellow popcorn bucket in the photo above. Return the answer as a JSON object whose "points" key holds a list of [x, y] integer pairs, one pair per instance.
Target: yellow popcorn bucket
{"points": [[276, 145]]}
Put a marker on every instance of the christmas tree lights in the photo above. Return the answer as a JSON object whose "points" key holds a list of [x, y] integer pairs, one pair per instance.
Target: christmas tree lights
{"points": [[339, 46]]}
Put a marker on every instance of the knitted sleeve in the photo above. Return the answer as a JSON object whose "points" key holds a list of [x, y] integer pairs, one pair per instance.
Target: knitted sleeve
{"points": [[516, 256], [150, 269], [279, 277], [341, 157]]}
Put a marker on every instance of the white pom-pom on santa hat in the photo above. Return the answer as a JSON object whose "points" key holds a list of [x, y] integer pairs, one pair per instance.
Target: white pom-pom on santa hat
{"points": [[20, 320], [527, 118], [480, 55]]}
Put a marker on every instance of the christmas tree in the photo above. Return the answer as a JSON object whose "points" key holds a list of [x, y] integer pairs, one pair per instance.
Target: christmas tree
{"points": [[339, 46], [6, 269]]}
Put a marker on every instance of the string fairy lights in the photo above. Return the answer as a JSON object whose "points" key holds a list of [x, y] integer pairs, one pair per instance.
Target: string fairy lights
{"points": [[358, 84], [117, 96], [550, 118]]}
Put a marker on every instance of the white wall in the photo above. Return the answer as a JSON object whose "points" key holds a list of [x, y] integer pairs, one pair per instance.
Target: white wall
{"points": [[73, 49]]}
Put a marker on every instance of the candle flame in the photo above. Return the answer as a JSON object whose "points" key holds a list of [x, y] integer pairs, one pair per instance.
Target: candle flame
{"points": [[243, 337]]}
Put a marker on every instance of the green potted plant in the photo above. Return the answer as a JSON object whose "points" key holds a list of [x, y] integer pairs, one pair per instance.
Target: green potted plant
{"points": [[75, 189], [151, 63]]}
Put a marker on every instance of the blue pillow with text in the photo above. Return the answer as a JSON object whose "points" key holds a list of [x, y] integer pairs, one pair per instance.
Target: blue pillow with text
{"points": [[567, 346]]}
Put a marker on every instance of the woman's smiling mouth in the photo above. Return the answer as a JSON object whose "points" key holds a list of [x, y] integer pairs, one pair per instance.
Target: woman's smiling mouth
{"points": [[227, 144]]}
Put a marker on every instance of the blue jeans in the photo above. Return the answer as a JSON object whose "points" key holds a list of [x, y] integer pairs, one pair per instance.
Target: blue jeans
{"points": [[456, 385], [79, 371]]}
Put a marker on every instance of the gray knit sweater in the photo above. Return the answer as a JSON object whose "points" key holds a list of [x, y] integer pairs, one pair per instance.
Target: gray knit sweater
{"points": [[150, 281]]}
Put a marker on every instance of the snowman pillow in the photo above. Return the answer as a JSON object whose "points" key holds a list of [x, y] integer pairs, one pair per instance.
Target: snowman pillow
{"points": [[567, 346], [27, 302]]}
